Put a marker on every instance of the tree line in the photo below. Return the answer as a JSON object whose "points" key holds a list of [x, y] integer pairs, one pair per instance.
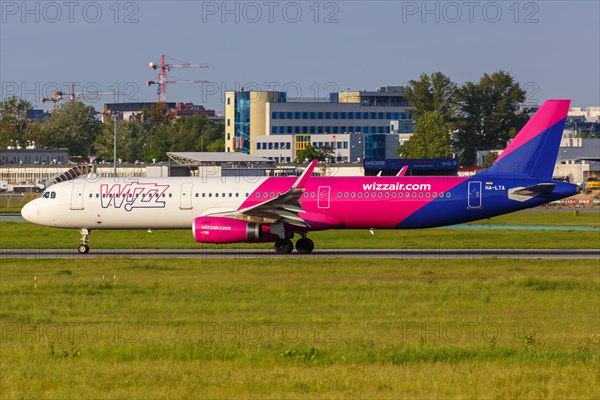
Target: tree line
{"points": [[76, 127], [456, 120]]}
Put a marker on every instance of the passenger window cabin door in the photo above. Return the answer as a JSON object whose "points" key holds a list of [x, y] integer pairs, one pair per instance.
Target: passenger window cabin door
{"points": [[185, 202], [77, 196], [474, 200], [323, 197]]}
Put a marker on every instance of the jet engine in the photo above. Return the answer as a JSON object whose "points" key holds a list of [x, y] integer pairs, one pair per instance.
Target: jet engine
{"points": [[228, 230]]}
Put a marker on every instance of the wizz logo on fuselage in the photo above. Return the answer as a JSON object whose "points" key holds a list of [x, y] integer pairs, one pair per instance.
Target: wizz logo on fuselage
{"points": [[133, 195]]}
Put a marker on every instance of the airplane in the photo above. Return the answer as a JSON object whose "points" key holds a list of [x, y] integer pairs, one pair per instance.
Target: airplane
{"points": [[274, 209]]}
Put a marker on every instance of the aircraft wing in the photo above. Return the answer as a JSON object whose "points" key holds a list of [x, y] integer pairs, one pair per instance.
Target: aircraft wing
{"points": [[285, 207]]}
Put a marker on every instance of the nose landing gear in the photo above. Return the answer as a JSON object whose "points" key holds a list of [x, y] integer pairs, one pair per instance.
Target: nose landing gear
{"points": [[83, 247]]}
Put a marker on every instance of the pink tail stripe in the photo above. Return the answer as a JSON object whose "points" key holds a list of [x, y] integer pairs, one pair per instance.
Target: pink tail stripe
{"points": [[551, 112]]}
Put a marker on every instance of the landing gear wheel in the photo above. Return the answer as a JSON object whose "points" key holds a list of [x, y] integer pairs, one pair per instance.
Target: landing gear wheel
{"points": [[85, 237], [304, 245], [284, 246]]}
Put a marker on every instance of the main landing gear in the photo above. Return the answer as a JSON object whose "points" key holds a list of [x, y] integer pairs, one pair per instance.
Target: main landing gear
{"points": [[284, 245], [83, 247], [303, 246]]}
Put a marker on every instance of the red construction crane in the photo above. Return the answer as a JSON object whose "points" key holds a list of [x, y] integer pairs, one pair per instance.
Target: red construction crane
{"points": [[162, 80], [89, 95], [56, 97]]}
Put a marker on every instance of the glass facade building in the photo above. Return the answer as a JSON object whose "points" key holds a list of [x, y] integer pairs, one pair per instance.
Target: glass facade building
{"points": [[246, 117], [374, 146], [242, 122], [370, 113]]}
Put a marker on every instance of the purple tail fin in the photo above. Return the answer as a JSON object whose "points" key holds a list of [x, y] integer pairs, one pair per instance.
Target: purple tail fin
{"points": [[532, 153]]}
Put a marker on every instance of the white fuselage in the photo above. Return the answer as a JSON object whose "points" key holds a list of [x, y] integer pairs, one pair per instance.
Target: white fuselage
{"points": [[137, 203]]}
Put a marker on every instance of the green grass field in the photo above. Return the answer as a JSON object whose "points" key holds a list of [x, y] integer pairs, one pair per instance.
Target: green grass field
{"points": [[124, 328], [303, 328]]}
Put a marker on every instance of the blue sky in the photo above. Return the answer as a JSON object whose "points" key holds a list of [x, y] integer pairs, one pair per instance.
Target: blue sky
{"points": [[309, 48]]}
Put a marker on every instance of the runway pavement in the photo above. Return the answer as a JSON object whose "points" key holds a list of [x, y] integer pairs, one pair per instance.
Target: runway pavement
{"points": [[242, 253]]}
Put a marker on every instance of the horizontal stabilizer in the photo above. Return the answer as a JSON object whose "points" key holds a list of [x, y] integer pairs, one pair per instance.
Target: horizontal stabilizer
{"points": [[526, 193]]}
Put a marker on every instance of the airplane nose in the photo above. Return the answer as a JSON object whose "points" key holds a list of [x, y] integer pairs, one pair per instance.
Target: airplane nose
{"points": [[30, 211]]}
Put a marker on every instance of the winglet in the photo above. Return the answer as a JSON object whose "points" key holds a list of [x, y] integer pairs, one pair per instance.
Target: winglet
{"points": [[402, 172], [301, 182]]}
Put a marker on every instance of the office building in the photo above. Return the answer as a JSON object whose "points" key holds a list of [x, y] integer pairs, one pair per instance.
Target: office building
{"points": [[354, 124]]}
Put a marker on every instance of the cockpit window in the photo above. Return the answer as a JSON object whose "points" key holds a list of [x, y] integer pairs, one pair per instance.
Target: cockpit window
{"points": [[49, 195]]}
